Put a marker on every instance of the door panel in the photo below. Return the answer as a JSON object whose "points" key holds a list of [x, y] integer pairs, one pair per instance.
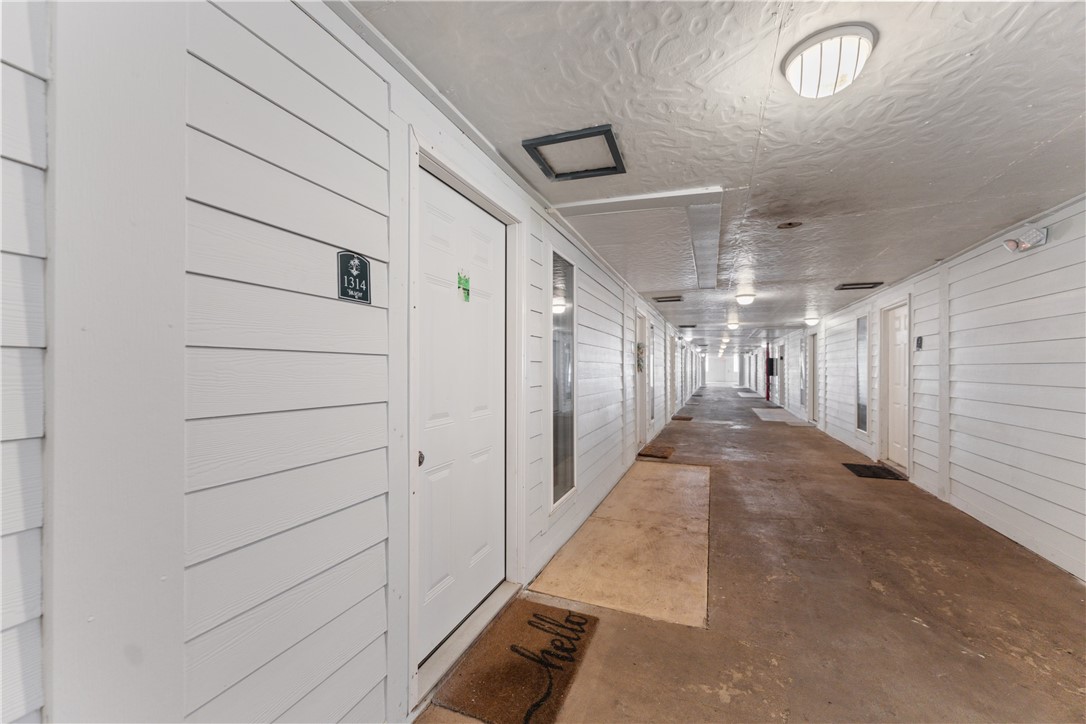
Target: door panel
{"points": [[461, 506], [898, 422]]}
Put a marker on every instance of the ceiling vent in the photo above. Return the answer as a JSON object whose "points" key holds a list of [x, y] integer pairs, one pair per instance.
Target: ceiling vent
{"points": [[851, 286], [571, 155], [675, 298], [687, 326]]}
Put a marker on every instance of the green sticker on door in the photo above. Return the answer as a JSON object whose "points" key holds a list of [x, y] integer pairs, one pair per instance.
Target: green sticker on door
{"points": [[463, 283]]}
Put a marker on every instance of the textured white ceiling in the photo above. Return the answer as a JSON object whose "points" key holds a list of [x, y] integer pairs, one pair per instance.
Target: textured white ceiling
{"points": [[967, 118], [646, 247]]}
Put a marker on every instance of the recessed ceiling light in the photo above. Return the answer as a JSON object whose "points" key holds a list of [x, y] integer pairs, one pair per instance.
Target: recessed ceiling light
{"points": [[811, 321], [828, 61], [790, 225], [849, 286], [744, 299]]}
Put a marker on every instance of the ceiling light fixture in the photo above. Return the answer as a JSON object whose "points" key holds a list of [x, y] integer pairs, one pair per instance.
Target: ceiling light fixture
{"points": [[829, 61], [744, 299], [733, 326], [811, 321], [1030, 237]]}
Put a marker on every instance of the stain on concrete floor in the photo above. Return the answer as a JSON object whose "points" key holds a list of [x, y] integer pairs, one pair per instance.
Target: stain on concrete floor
{"points": [[837, 598]]}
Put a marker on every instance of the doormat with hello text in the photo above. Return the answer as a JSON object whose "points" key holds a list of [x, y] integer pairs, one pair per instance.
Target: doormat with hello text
{"points": [[520, 669]]}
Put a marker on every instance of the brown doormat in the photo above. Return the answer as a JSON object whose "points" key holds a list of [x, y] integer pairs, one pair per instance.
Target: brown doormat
{"points": [[874, 471], [521, 667], [683, 418], [657, 451]]}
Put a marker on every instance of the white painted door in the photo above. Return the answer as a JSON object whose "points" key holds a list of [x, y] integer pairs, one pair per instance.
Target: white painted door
{"points": [[897, 370], [812, 377], [461, 388]]}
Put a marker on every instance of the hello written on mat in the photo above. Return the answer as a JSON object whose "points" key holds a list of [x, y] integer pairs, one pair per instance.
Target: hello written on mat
{"points": [[520, 669]]}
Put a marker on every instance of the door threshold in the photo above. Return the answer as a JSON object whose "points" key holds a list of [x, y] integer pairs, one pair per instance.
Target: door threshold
{"points": [[895, 467], [444, 656]]}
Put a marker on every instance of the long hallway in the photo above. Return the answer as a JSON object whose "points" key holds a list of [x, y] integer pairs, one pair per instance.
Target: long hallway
{"points": [[834, 598]]}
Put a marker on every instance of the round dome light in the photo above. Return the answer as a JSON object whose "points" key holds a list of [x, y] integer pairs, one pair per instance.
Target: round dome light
{"points": [[744, 299], [811, 321], [828, 61], [733, 325]]}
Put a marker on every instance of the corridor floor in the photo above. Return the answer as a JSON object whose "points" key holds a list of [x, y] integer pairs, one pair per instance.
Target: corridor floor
{"points": [[835, 598]]}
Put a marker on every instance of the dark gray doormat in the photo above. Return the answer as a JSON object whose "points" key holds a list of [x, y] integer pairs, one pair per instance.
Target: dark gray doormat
{"points": [[874, 471], [657, 451], [682, 418], [520, 669]]}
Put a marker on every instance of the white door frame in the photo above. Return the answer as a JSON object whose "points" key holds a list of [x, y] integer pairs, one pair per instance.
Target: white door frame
{"points": [[813, 384], [426, 156], [885, 344]]}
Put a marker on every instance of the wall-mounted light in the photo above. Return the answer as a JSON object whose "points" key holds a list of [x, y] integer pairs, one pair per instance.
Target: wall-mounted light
{"points": [[1030, 237], [830, 60], [811, 321], [558, 305], [744, 299]]}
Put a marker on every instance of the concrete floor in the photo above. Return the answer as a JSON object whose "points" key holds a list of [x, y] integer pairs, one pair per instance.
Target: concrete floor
{"points": [[837, 598]]}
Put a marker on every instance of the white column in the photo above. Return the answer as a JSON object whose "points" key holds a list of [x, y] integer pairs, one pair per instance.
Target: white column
{"points": [[114, 594]]}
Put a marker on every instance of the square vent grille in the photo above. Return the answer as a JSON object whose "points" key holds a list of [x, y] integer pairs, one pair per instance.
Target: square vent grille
{"points": [[571, 155]]}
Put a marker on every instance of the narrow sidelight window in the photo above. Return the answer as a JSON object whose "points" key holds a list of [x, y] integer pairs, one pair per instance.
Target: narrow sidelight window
{"points": [[652, 372], [861, 374], [563, 367]]}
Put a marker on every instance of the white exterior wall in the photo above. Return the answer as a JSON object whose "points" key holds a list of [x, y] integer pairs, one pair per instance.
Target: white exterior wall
{"points": [[266, 521], [998, 390], [793, 361], [605, 324], [23, 252], [286, 387]]}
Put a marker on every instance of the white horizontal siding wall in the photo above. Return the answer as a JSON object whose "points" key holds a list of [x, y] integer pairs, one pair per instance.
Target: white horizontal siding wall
{"points": [[600, 402], [286, 386], [659, 417], [927, 406], [538, 450], [629, 374], [1017, 359], [23, 250], [998, 397], [838, 364], [793, 363]]}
